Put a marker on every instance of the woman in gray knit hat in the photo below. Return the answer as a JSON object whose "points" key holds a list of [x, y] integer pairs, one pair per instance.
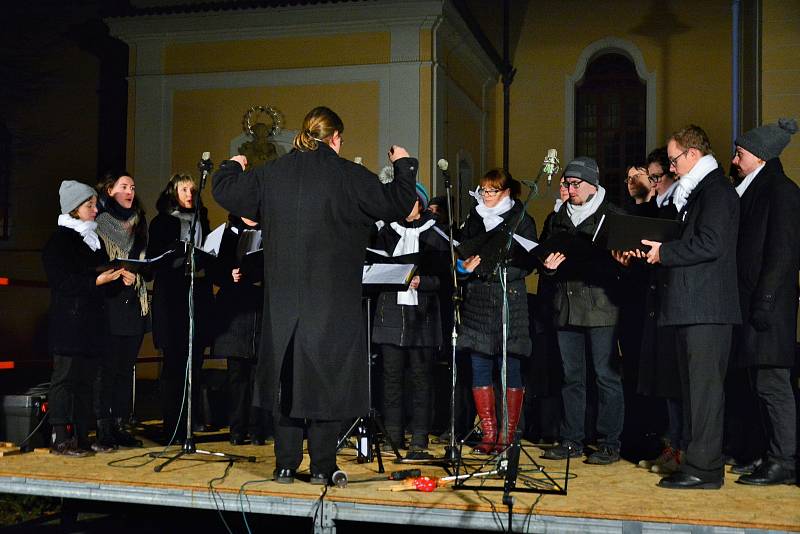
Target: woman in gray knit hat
{"points": [[71, 258]]}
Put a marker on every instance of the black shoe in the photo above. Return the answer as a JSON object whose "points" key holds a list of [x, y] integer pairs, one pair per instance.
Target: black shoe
{"points": [[70, 448], [682, 480], [563, 450], [123, 438], [237, 439], [748, 468], [769, 473], [103, 447], [418, 453], [319, 479], [283, 475], [258, 440], [603, 456]]}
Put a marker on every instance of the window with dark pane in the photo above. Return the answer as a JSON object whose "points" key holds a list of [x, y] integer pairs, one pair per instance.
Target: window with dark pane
{"points": [[610, 119]]}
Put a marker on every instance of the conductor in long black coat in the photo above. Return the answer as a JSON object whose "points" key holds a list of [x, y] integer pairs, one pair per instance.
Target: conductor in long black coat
{"points": [[316, 211], [768, 261]]}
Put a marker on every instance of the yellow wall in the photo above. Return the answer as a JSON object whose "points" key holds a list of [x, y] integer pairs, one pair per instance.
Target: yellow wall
{"points": [[212, 118], [690, 54], [278, 53], [780, 54]]}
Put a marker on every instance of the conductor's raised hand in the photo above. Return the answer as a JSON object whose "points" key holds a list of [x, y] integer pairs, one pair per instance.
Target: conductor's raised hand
{"points": [[396, 152], [241, 160], [553, 260]]}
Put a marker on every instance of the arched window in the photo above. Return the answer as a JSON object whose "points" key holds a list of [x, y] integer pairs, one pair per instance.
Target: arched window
{"points": [[610, 119]]}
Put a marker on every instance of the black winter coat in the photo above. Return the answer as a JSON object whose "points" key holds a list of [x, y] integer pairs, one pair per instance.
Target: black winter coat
{"points": [[237, 305], [768, 260], [586, 293], [171, 289], [700, 280], [482, 308], [421, 325], [316, 212], [76, 303]]}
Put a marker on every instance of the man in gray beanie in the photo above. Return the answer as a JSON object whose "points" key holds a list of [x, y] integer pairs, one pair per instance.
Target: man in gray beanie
{"points": [[72, 194], [768, 258], [585, 300]]}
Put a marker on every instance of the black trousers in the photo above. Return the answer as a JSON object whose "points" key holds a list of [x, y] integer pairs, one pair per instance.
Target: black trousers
{"points": [[778, 412], [322, 435], [173, 377], [113, 387], [244, 417], [703, 352], [420, 363], [70, 395]]}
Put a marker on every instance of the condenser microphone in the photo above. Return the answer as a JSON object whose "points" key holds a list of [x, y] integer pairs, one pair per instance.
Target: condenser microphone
{"points": [[551, 165]]}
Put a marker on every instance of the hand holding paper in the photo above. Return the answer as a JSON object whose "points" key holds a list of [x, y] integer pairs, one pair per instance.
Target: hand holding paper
{"points": [[654, 254]]}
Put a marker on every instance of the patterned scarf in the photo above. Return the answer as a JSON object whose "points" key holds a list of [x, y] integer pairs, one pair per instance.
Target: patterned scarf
{"points": [[118, 237]]}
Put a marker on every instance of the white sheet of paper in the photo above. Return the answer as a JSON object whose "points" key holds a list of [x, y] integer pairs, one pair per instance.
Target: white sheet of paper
{"points": [[214, 240], [445, 236], [378, 252], [387, 273], [527, 244]]}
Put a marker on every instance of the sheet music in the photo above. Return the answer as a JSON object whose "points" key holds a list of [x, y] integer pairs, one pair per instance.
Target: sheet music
{"points": [[250, 241], [445, 236], [387, 273], [214, 240], [527, 244], [378, 252]]}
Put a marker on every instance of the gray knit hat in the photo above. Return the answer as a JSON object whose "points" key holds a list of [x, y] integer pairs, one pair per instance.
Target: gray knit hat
{"points": [[584, 168], [72, 194], [768, 141]]}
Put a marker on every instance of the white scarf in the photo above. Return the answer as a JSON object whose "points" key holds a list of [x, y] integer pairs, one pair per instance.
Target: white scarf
{"points": [[408, 244], [742, 187], [491, 216], [578, 214], [661, 199], [85, 228], [689, 181], [558, 204]]}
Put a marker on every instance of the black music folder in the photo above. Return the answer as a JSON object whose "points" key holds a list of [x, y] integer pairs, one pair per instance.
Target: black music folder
{"points": [[625, 232]]}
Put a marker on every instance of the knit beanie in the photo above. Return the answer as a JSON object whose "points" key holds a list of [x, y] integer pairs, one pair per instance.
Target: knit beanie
{"points": [[422, 195], [72, 194], [768, 141], [584, 168]]}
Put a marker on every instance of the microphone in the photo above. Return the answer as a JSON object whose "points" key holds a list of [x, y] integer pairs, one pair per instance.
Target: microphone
{"points": [[205, 165], [551, 165], [339, 479], [443, 165]]}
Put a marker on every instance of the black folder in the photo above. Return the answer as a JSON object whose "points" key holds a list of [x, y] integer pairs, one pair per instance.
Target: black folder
{"points": [[625, 232]]}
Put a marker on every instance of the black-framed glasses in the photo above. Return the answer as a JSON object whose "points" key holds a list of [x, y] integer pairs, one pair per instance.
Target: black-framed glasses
{"points": [[655, 178], [674, 161], [629, 179], [489, 192], [574, 185]]}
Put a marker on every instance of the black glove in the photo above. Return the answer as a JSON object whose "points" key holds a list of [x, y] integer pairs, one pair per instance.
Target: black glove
{"points": [[760, 320]]}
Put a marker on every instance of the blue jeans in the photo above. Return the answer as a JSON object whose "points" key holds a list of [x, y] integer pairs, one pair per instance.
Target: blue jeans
{"points": [[611, 404], [483, 364]]}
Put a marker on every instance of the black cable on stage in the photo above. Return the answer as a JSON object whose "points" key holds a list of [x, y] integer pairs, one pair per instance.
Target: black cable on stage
{"points": [[320, 508], [214, 492], [243, 494]]}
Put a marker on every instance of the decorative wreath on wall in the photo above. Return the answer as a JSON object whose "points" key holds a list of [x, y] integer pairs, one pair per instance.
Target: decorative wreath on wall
{"points": [[275, 115]]}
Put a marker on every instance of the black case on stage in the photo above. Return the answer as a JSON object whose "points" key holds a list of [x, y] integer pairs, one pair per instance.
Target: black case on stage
{"points": [[20, 416]]}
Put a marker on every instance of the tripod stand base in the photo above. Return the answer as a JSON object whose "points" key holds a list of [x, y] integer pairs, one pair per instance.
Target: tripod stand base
{"points": [[189, 448]]}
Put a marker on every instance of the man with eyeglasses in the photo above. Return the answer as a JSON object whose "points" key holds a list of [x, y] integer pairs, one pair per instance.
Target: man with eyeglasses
{"points": [[585, 304], [700, 299], [768, 260]]}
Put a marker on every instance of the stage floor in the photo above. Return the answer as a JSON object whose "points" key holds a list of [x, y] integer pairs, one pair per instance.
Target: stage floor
{"points": [[615, 498]]}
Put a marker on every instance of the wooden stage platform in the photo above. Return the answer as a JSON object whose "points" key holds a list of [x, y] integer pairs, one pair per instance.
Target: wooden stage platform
{"points": [[617, 498]]}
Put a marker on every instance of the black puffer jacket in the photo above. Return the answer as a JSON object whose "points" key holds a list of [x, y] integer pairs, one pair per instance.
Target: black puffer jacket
{"points": [[237, 305], [482, 310], [76, 303], [407, 325]]}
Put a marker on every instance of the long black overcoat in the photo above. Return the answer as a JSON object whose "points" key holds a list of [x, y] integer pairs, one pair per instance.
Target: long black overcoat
{"points": [[699, 286], [316, 212], [768, 260]]}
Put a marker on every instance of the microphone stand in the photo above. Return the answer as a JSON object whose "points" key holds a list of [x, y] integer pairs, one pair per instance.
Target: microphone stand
{"points": [[508, 462], [189, 446]]}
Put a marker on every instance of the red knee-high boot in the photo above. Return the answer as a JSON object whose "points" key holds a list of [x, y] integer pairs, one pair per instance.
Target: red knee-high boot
{"points": [[514, 398], [484, 405]]}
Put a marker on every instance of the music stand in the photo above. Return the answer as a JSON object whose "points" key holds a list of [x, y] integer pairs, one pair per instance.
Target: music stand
{"points": [[189, 446]]}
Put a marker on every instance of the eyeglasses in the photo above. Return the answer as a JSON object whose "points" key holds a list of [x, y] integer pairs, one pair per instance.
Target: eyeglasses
{"points": [[629, 179], [674, 161], [489, 192], [574, 185], [655, 178]]}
